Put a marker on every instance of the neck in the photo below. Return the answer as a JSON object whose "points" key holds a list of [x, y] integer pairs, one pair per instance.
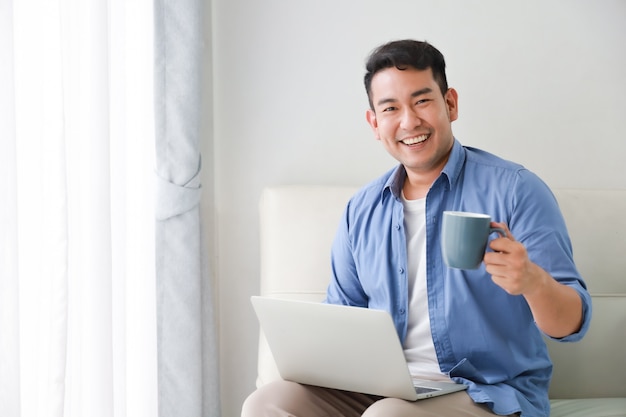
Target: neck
{"points": [[416, 187]]}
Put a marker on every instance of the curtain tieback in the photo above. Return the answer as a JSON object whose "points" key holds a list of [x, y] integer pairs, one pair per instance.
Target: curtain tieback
{"points": [[173, 199]]}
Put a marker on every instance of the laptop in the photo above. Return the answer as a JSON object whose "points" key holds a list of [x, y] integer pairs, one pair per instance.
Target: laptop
{"points": [[347, 348]]}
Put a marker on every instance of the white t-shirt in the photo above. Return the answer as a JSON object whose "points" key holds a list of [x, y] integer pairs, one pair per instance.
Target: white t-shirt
{"points": [[419, 349]]}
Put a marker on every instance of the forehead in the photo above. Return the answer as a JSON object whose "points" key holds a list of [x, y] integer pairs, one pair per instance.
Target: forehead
{"points": [[394, 81]]}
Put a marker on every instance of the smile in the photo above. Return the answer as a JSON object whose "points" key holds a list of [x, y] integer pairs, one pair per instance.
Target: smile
{"points": [[415, 140]]}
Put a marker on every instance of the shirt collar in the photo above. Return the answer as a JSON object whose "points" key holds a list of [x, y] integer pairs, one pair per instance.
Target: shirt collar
{"points": [[455, 163], [451, 172], [394, 183]]}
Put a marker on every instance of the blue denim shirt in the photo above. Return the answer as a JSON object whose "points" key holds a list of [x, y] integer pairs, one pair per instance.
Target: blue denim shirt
{"points": [[483, 336]]}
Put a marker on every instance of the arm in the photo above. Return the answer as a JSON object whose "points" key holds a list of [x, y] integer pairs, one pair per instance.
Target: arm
{"points": [[345, 286], [557, 308]]}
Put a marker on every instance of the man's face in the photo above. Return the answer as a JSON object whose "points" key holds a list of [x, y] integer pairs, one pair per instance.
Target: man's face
{"points": [[413, 119]]}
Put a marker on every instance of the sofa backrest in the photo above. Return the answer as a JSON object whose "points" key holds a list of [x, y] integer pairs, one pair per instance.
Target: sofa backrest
{"points": [[298, 223], [297, 227], [595, 366]]}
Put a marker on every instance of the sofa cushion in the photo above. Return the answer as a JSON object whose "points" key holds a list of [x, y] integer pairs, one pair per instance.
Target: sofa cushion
{"points": [[298, 224], [589, 407], [595, 366]]}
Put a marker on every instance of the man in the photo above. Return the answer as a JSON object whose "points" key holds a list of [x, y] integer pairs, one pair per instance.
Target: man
{"points": [[483, 328]]}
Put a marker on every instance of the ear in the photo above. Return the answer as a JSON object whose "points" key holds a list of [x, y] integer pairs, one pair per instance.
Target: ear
{"points": [[452, 103], [370, 115]]}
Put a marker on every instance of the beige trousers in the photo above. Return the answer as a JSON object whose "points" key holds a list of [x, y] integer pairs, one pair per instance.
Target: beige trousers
{"points": [[283, 399]]}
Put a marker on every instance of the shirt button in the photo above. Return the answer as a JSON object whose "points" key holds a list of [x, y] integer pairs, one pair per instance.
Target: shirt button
{"points": [[397, 227], [401, 311], [401, 270]]}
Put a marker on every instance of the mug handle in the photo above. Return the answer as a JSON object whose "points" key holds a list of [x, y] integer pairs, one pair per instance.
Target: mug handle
{"points": [[498, 230]]}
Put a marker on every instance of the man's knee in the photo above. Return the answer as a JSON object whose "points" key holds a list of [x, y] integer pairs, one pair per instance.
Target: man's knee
{"points": [[386, 407], [275, 397]]}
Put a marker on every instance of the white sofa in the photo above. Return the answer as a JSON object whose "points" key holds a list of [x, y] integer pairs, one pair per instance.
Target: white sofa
{"points": [[298, 223]]}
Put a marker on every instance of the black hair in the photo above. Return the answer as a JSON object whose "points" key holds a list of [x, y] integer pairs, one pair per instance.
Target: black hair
{"points": [[404, 54]]}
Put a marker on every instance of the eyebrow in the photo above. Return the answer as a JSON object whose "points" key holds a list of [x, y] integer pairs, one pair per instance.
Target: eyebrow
{"points": [[417, 93]]}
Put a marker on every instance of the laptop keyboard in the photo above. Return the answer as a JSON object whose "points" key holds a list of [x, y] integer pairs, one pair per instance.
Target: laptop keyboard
{"points": [[424, 390]]}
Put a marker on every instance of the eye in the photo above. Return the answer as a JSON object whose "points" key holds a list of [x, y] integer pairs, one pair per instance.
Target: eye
{"points": [[388, 109], [422, 101]]}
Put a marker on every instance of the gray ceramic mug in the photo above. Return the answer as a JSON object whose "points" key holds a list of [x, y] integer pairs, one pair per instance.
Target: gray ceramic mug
{"points": [[464, 237]]}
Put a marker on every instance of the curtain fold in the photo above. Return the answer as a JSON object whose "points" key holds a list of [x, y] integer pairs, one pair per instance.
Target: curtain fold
{"points": [[187, 372]]}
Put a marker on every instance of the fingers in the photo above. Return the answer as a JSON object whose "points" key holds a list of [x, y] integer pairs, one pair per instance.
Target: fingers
{"points": [[504, 227], [508, 263]]}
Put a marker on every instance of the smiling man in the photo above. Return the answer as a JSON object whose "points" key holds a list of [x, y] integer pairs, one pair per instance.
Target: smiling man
{"points": [[483, 328], [411, 115]]}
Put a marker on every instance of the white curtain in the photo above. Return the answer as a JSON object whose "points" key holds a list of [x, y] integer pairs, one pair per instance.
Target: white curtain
{"points": [[78, 309], [187, 351]]}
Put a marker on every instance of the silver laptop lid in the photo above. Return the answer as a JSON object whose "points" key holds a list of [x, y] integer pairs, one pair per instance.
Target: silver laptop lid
{"points": [[349, 348]]}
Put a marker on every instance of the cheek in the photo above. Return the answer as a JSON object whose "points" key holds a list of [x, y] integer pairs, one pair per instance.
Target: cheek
{"points": [[387, 128]]}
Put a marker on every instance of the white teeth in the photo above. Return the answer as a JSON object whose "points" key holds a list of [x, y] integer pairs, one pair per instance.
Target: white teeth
{"points": [[413, 141]]}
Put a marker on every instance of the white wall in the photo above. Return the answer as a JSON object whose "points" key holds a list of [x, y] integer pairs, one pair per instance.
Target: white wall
{"points": [[539, 82]]}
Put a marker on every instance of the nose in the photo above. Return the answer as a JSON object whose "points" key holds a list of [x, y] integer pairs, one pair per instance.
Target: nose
{"points": [[410, 119]]}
